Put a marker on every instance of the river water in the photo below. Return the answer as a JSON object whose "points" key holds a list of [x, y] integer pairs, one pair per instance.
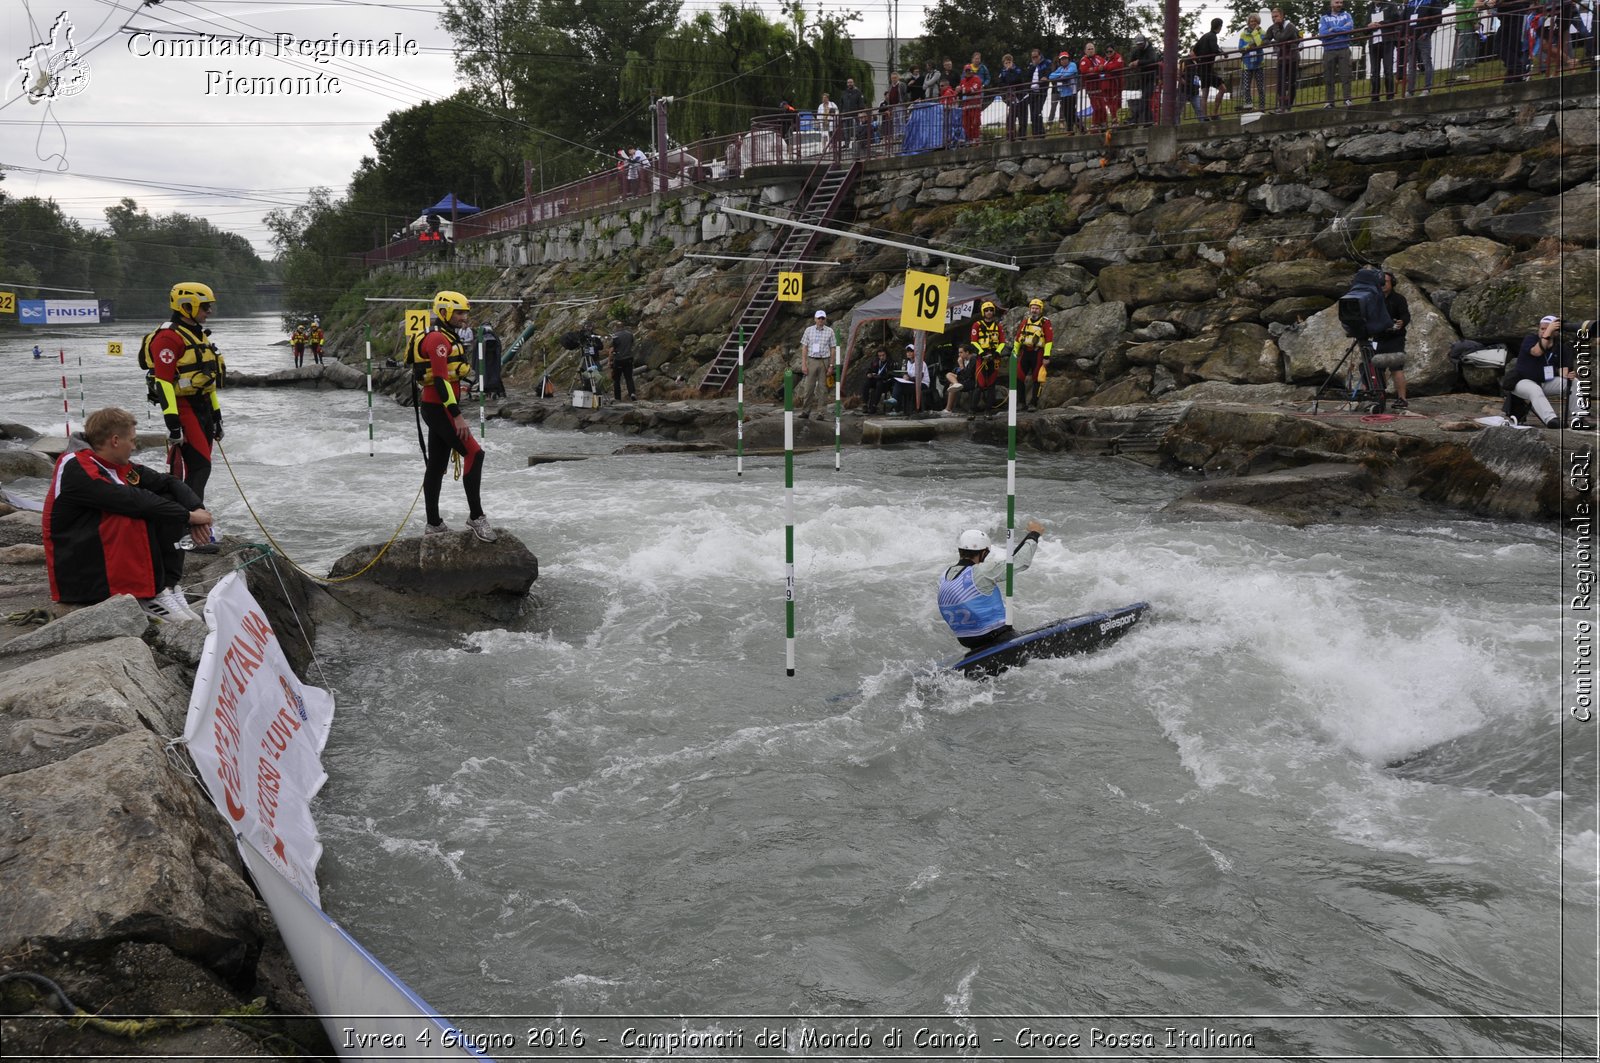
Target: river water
{"points": [[1326, 801]]}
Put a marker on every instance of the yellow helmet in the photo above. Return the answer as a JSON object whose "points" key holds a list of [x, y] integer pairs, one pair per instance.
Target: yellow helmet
{"points": [[1035, 303], [188, 295], [987, 306], [447, 303]]}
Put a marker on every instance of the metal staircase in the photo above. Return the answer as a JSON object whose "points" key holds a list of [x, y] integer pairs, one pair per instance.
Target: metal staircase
{"points": [[829, 193]]}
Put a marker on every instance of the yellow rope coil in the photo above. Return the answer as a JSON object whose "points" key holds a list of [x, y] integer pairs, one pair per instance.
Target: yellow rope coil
{"points": [[325, 580]]}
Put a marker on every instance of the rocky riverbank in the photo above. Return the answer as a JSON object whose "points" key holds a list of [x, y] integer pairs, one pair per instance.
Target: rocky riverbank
{"points": [[1435, 454], [123, 891]]}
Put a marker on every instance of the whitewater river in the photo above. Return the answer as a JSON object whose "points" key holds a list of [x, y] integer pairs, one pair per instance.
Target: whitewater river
{"points": [[1326, 802]]}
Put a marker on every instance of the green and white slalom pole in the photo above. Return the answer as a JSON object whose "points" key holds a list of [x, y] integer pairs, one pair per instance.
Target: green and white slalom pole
{"points": [[838, 404], [370, 451], [739, 412], [788, 517], [1011, 478], [477, 367]]}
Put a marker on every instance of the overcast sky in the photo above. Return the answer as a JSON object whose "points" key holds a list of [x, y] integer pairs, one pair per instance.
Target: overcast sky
{"points": [[165, 129], [174, 133]]}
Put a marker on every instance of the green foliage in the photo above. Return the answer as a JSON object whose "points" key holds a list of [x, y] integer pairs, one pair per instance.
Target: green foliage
{"points": [[723, 69], [1007, 229], [134, 261], [957, 28], [557, 65]]}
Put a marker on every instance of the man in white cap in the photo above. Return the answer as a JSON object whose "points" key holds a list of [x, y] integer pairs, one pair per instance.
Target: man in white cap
{"points": [[816, 350], [1544, 370]]}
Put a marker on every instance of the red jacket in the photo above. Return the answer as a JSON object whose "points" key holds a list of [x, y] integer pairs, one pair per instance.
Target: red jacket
{"points": [[100, 535]]}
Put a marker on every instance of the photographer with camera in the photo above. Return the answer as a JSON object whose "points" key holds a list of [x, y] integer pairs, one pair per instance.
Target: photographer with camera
{"points": [[1544, 367]]}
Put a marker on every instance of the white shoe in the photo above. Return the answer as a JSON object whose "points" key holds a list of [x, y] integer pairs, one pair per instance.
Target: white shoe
{"points": [[168, 607], [480, 528], [436, 529]]}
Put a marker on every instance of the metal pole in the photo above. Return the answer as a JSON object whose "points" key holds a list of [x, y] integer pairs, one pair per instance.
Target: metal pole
{"points": [[788, 516], [838, 404], [478, 369], [66, 412], [83, 409], [739, 413], [846, 234], [1171, 108], [370, 452], [1011, 478]]}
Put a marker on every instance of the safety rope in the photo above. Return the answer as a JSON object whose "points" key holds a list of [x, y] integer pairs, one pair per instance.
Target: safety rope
{"points": [[134, 1028], [325, 580]]}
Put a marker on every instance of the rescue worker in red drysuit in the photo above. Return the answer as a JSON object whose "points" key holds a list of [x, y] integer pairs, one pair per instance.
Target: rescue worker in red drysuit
{"points": [[988, 337], [439, 366], [186, 370], [1035, 339]]}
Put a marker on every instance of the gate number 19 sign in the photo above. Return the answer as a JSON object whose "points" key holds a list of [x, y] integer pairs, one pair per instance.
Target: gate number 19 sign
{"points": [[922, 307]]}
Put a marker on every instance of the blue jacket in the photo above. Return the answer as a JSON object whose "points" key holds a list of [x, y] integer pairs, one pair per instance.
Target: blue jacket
{"points": [[1066, 80], [1335, 31]]}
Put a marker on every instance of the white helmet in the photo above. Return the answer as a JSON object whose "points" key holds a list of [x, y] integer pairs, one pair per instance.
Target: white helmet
{"points": [[972, 540]]}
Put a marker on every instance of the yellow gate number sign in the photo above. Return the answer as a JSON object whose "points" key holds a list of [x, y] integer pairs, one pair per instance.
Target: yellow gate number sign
{"points": [[789, 285], [922, 308], [114, 348], [8, 302], [416, 322]]}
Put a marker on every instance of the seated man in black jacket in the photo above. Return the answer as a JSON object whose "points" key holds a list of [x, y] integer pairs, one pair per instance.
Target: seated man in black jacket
{"points": [[879, 381], [112, 527]]}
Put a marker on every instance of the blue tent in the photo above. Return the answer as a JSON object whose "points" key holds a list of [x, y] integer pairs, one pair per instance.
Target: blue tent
{"points": [[448, 203]]}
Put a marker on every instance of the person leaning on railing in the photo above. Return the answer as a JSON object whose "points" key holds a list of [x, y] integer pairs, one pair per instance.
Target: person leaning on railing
{"points": [[1284, 36]]}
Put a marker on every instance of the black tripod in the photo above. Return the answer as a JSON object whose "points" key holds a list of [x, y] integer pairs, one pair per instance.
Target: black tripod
{"points": [[1362, 384]]}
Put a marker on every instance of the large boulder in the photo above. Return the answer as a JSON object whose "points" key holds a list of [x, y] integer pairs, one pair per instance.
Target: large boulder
{"points": [[1242, 354], [1456, 263], [20, 464], [1508, 305], [1088, 332], [1142, 283], [1568, 217], [1303, 276], [1296, 497], [114, 844], [55, 706], [1387, 218], [446, 567], [116, 617], [1106, 241]]}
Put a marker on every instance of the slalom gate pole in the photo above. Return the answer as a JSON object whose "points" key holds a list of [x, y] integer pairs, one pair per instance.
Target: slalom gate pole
{"points": [[838, 405], [66, 411], [369, 392], [477, 367], [83, 407], [1011, 478], [788, 517], [738, 415]]}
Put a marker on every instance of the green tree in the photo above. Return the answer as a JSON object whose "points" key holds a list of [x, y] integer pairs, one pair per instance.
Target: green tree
{"points": [[557, 65], [724, 68], [957, 28]]}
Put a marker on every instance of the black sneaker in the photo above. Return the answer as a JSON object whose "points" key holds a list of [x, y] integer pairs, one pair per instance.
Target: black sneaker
{"points": [[1554, 422], [1400, 404]]}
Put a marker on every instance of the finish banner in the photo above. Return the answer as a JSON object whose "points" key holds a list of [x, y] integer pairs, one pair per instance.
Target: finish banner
{"points": [[256, 733], [58, 311]]}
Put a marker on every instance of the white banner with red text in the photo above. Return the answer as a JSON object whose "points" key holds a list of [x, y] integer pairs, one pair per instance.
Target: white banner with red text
{"points": [[256, 734]]}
